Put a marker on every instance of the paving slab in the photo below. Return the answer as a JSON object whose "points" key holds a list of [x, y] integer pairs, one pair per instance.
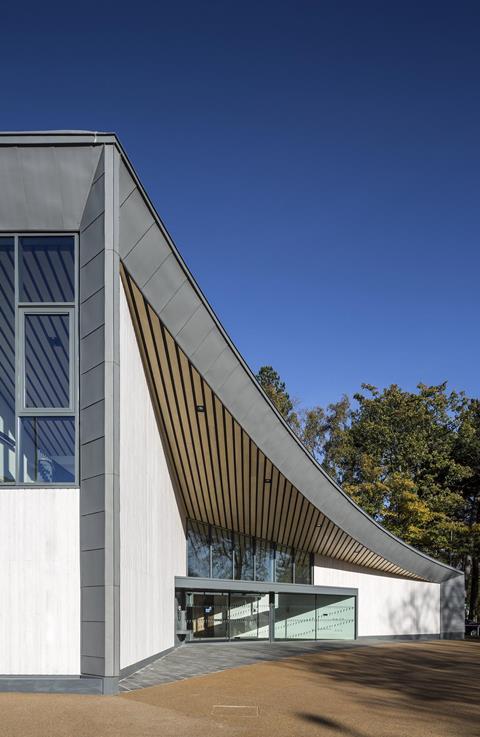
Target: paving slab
{"points": [[196, 659]]}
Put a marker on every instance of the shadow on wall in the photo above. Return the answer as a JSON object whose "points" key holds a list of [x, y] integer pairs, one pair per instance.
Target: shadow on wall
{"points": [[415, 614], [452, 605]]}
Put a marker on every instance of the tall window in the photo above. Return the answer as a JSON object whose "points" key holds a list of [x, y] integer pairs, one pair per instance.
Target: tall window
{"points": [[37, 359], [214, 552]]}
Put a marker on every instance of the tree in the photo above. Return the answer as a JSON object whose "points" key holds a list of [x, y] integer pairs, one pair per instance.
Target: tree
{"points": [[396, 460], [410, 459], [467, 453], [275, 390]]}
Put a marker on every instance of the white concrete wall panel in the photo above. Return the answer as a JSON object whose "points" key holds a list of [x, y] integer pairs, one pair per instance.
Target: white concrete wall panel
{"points": [[387, 605], [39, 582], [152, 537]]}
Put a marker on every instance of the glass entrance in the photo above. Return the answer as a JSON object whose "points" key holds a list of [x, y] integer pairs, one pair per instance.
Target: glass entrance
{"points": [[228, 616], [249, 616], [234, 615], [208, 615]]}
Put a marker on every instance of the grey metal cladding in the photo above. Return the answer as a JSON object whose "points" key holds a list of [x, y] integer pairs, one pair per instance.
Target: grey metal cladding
{"points": [[93, 638], [135, 220], [92, 425], [221, 369], [452, 604], [126, 185], [42, 188], [93, 458], [180, 308], [189, 583], [92, 495], [74, 170], [95, 202], [93, 604], [165, 282], [273, 439], [92, 567], [93, 532], [92, 386], [92, 240], [13, 203], [92, 313], [195, 330], [91, 349], [92, 276], [208, 351], [147, 255], [90, 665], [45, 187]]}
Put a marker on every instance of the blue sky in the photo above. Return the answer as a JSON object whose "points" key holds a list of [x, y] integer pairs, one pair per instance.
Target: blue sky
{"points": [[317, 164]]}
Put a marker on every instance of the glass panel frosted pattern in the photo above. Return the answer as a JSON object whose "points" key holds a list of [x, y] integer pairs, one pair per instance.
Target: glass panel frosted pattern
{"points": [[7, 360], [303, 571], [249, 616], [47, 450], [263, 561], [47, 269], [47, 382], [283, 564], [222, 553], [243, 554], [295, 616], [198, 544], [335, 617]]}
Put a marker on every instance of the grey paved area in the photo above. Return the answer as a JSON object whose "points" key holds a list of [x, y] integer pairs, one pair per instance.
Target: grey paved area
{"points": [[196, 659]]}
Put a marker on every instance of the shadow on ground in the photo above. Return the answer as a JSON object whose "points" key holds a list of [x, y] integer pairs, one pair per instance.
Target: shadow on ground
{"points": [[435, 678]]}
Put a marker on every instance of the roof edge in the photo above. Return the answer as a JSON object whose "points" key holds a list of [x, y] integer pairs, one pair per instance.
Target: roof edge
{"points": [[78, 137]]}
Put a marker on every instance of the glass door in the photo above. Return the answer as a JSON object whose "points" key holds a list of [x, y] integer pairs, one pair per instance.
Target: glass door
{"points": [[249, 616], [208, 615]]}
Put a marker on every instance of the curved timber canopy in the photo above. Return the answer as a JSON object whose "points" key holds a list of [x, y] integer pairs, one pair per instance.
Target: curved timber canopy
{"points": [[237, 463]]}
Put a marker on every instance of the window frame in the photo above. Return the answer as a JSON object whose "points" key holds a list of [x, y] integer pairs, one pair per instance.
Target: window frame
{"points": [[255, 541], [21, 309], [22, 409]]}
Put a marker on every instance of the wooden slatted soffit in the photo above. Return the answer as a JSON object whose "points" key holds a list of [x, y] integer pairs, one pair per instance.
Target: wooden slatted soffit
{"points": [[223, 477]]}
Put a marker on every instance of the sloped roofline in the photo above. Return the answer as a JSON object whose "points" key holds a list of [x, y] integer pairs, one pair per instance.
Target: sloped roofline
{"points": [[427, 567]]}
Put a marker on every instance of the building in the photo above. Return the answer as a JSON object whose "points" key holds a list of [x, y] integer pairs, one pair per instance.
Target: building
{"points": [[150, 492]]}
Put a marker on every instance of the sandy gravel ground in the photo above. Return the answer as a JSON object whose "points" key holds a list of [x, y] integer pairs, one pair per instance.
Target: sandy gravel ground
{"points": [[407, 690]]}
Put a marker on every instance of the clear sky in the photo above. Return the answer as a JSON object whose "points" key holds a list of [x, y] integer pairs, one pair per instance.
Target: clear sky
{"points": [[317, 164]]}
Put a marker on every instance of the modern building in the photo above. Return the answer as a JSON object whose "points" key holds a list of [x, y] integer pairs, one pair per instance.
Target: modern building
{"points": [[150, 492]]}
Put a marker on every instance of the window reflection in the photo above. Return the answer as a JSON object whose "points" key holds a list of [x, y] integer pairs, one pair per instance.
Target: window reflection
{"points": [[302, 567], [198, 543], [243, 558], [47, 269], [47, 365], [263, 561], [214, 552], [283, 564], [222, 553], [7, 359], [47, 450]]}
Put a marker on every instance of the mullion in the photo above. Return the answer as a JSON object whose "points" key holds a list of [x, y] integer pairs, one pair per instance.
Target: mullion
{"points": [[23, 308]]}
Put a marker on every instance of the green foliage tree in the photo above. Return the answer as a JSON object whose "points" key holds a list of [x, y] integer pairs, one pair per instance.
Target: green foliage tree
{"points": [[467, 453], [409, 459], [275, 389]]}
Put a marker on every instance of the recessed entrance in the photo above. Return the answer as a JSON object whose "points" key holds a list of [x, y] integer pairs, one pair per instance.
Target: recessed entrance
{"points": [[238, 615], [214, 615]]}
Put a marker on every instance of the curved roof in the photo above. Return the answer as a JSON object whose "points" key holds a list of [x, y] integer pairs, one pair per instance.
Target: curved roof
{"points": [[161, 286]]}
